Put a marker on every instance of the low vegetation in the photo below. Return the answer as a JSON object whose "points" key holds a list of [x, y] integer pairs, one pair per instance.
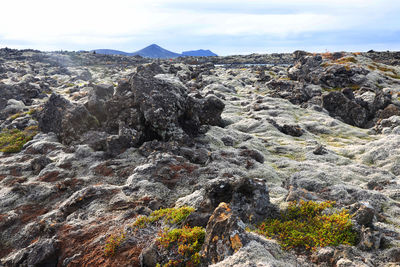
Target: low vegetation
{"points": [[345, 60], [180, 243], [112, 244], [12, 141], [183, 244], [16, 115], [169, 216], [305, 225]]}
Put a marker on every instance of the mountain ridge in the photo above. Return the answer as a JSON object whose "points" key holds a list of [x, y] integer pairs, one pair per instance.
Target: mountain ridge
{"points": [[156, 51]]}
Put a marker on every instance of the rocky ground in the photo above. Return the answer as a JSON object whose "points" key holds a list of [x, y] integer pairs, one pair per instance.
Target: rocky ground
{"points": [[121, 136]]}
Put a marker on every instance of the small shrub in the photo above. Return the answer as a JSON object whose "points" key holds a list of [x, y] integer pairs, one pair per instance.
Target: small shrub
{"points": [[12, 141], [183, 244], [112, 244], [304, 226], [169, 215], [31, 111]]}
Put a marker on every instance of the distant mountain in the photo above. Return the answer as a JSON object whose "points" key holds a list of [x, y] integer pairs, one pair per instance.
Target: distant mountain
{"points": [[155, 51], [110, 52], [199, 53]]}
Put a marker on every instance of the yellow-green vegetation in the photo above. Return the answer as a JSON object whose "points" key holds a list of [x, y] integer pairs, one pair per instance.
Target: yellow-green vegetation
{"points": [[185, 243], [16, 115], [20, 114], [31, 111], [384, 68], [354, 87], [182, 243], [112, 244], [335, 89], [294, 156], [326, 64], [344, 60], [304, 226], [273, 74], [188, 241], [169, 215], [12, 141]]}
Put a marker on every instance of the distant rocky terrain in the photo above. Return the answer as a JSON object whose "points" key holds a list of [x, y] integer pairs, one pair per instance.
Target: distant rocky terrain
{"points": [[235, 138], [156, 51]]}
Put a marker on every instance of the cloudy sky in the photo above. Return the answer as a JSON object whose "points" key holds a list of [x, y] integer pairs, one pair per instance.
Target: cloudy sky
{"points": [[224, 26]]}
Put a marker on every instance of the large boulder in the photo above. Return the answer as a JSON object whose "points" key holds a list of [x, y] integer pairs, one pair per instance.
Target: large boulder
{"points": [[67, 120], [97, 97], [162, 101]]}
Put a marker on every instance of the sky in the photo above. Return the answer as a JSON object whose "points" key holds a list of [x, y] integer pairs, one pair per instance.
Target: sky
{"points": [[225, 27]]}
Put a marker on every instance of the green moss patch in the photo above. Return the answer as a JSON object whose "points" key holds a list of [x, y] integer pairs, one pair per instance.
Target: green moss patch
{"points": [[12, 141], [178, 245], [304, 226], [16, 115], [183, 244], [169, 215], [344, 60]]}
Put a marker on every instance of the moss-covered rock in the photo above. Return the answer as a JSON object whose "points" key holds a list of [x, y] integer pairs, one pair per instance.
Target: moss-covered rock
{"points": [[304, 225], [12, 141]]}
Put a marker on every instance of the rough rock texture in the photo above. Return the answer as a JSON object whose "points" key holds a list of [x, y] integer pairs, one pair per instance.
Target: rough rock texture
{"points": [[123, 136], [154, 107], [339, 105], [248, 198]]}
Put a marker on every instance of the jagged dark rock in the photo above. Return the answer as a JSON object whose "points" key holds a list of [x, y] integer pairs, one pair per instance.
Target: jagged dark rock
{"points": [[339, 105], [249, 199]]}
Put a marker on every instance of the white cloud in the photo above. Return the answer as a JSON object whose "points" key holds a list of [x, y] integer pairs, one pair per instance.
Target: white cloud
{"points": [[77, 24]]}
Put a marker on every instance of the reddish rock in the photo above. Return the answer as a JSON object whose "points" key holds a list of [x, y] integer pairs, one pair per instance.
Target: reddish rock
{"points": [[50, 177]]}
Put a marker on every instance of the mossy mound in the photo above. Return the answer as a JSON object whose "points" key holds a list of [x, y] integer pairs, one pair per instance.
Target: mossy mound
{"points": [[304, 225], [169, 215], [183, 244], [12, 141], [178, 244]]}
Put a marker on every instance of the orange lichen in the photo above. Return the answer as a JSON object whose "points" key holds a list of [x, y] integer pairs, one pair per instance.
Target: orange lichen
{"points": [[236, 243]]}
